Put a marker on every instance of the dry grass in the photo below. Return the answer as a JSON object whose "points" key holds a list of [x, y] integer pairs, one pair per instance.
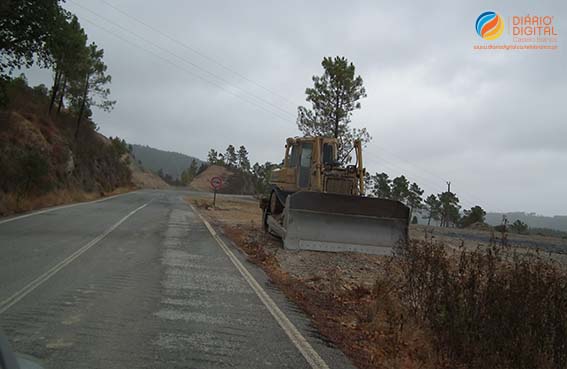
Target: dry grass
{"points": [[487, 308], [230, 211]]}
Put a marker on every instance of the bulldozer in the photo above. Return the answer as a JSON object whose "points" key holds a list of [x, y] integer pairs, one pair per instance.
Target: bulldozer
{"points": [[317, 203]]}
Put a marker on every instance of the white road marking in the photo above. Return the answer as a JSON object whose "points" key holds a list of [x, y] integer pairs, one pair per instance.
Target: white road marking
{"points": [[12, 300], [308, 352], [61, 207]]}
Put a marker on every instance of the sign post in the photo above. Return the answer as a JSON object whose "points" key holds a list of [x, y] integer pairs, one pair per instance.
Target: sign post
{"points": [[216, 184]]}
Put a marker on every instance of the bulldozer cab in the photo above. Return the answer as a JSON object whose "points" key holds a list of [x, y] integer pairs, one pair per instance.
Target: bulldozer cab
{"points": [[311, 164], [307, 155]]}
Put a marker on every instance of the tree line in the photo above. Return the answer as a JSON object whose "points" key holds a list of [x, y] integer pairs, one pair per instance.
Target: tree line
{"points": [[443, 208], [231, 158], [238, 161], [42, 33]]}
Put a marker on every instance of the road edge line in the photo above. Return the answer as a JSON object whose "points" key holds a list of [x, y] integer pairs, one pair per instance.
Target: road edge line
{"points": [[27, 289], [300, 342], [59, 207]]}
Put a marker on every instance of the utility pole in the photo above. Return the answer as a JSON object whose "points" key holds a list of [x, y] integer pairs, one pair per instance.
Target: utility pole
{"points": [[444, 220]]}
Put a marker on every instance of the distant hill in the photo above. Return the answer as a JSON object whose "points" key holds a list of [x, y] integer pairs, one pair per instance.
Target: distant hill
{"points": [[172, 163], [557, 222]]}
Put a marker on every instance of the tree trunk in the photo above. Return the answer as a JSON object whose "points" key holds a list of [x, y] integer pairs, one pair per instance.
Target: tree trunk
{"points": [[62, 95], [337, 117], [82, 110], [429, 220], [55, 88]]}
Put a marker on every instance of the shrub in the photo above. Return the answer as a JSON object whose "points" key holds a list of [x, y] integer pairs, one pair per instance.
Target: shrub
{"points": [[119, 146], [40, 90], [519, 227], [33, 173], [487, 308]]}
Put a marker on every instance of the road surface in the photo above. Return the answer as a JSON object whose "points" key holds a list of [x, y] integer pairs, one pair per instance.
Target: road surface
{"points": [[139, 281]]}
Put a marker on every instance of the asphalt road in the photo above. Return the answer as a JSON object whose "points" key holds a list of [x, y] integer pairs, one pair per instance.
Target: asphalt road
{"points": [[139, 281]]}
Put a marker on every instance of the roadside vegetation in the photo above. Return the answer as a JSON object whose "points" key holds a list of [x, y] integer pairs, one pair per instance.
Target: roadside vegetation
{"points": [[46, 35], [50, 151], [491, 307], [44, 164], [430, 305]]}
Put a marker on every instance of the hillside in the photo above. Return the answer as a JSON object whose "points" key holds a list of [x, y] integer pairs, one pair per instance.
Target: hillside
{"points": [[557, 222], [144, 178], [172, 163], [44, 162]]}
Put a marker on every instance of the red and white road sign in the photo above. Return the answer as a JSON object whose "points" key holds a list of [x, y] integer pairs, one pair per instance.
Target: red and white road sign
{"points": [[216, 183]]}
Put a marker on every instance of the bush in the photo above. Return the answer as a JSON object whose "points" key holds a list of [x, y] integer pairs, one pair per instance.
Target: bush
{"points": [[519, 227], [40, 90], [119, 146], [32, 173], [487, 308]]}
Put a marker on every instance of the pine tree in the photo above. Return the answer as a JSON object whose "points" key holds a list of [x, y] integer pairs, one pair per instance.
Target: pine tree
{"points": [[476, 214], [243, 161], [212, 157], [414, 199], [433, 207], [382, 187], [230, 158], [449, 208], [400, 188], [334, 96]]}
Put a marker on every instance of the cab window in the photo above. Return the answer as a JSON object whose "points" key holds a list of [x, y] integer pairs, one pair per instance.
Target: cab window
{"points": [[328, 153], [293, 156]]}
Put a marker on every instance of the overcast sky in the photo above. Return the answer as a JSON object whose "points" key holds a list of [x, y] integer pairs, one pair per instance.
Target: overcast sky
{"points": [[209, 74]]}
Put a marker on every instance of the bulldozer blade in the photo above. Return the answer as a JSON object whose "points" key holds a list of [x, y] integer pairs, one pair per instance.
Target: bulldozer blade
{"points": [[333, 222]]}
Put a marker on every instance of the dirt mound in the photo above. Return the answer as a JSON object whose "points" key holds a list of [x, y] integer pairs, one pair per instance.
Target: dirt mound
{"points": [[143, 178], [202, 181]]}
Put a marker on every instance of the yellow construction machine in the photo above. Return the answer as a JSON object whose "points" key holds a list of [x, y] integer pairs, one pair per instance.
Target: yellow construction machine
{"points": [[318, 204]]}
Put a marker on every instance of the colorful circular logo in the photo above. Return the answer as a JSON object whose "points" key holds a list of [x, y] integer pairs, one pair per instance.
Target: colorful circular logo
{"points": [[489, 25]]}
